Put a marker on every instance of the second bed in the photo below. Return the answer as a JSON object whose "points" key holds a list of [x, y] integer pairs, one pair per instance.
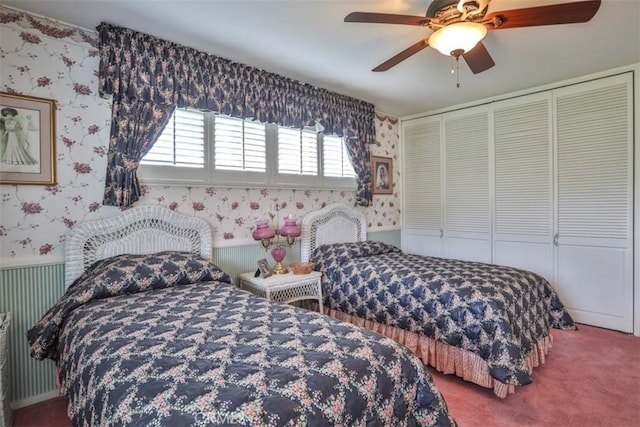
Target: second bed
{"points": [[486, 323]]}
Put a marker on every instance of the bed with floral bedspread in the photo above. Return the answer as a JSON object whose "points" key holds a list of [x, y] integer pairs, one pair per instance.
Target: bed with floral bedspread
{"points": [[165, 339], [499, 316]]}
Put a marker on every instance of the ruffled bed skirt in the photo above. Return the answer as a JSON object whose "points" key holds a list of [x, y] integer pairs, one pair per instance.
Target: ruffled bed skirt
{"points": [[446, 358]]}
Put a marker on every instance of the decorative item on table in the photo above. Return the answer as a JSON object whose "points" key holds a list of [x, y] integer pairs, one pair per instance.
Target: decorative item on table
{"points": [[301, 267], [265, 233], [263, 268]]}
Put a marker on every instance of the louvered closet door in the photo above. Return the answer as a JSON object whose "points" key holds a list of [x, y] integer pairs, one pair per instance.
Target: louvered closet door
{"points": [[422, 186], [594, 201], [523, 220], [467, 231]]}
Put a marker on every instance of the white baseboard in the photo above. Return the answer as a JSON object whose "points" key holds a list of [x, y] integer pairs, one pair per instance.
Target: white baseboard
{"points": [[16, 404]]}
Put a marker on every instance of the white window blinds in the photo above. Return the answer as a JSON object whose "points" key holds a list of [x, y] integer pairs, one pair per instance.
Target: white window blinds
{"points": [[239, 145], [202, 148], [181, 142], [335, 159], [297, 151]]}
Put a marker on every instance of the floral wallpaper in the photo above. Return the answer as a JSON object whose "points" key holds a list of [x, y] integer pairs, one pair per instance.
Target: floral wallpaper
{"points": [[44, 58]]}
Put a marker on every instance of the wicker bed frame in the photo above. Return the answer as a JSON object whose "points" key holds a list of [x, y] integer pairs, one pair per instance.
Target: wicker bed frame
{"points": [[338, 223], [141, 230]]}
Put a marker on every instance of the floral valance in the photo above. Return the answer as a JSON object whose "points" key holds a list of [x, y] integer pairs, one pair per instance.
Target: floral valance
{"points": [[151, 77], [144, 68]]}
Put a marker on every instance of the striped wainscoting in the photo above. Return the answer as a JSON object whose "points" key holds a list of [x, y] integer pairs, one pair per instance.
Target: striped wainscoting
{"points": [[28, 292], [388, 236]]}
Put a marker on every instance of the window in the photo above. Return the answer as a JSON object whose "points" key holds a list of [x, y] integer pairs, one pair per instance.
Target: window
{"points": [[335, 158], [239, 145], [201, 148], [297, 151], [181, 142]]}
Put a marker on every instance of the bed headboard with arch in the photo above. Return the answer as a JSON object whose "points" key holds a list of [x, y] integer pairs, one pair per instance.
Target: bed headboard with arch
{"points": [[335, 223], [140, 230]]}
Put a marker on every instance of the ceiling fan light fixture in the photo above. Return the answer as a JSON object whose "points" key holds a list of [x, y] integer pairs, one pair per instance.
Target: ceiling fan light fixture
{"points": [[458, 38]]}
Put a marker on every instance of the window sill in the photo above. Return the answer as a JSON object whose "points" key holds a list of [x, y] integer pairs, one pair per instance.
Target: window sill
{"points": [[200, 184]]}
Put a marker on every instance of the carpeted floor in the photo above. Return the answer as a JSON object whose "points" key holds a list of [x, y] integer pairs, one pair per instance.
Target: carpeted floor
{"points": [[591, 378]]}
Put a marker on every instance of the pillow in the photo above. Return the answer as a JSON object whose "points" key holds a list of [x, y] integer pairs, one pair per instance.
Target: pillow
{"points": [[347, 251], [129, 273]]}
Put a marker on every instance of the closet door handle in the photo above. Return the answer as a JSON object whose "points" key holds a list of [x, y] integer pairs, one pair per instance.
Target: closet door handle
{"points": [[441, 233], [555, 239]]}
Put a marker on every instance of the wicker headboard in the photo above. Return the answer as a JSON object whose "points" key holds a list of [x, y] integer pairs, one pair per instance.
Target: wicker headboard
{"points": [[140, 230], [335, 223]]}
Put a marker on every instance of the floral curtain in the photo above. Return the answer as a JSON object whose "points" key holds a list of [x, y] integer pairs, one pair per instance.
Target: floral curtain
{"points": [[135, 126], [141, 67], [361, 160]]}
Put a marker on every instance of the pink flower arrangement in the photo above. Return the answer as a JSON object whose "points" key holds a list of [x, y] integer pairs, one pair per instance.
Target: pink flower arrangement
{"points": [[30, 38], [53, 189], [25, 242], [31, 208], [44, 81], [83, 168], [67, 61], [50, 31], [81, 89], [9, 17]]}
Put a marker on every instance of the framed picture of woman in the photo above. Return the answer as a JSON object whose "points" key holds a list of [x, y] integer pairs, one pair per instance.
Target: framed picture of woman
{"points": [[382, 172], [264, 268], [27, 140]]}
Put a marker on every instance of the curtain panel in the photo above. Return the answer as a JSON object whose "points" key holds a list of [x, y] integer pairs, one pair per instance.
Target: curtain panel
{"points": [[137, 67], [135, 126]]}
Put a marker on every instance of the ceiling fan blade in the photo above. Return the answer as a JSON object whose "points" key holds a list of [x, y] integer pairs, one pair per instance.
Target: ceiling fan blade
{"points": [[564, 13], [386, 18], [478, 59], [412, 50]]}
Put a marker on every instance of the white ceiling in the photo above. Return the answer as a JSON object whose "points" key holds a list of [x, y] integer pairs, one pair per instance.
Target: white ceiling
{"points": [[308, 40]]}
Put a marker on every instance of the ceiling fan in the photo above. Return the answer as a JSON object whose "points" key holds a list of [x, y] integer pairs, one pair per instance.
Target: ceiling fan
{"points": [[460, 25]]}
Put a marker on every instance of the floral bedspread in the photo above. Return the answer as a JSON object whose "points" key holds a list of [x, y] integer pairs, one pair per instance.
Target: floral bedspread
{"points": [[494, 311], [178, 350]]}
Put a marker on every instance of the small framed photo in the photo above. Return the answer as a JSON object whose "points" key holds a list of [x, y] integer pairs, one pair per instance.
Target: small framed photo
{"points": [[27, 140], [264, 268], [382, 172]]}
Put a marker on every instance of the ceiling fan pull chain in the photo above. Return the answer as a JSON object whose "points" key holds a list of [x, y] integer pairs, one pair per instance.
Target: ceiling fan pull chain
{"points": [[455, 69]]}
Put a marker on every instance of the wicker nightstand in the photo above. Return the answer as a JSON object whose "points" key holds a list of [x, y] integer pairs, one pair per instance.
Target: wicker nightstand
{"points": [[285, 288]]}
